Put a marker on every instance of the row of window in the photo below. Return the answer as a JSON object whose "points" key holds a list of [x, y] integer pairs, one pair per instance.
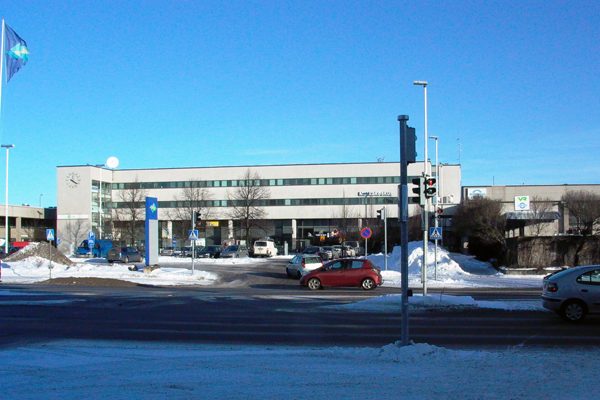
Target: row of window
{"points": [[259, 182], [266, 202]]}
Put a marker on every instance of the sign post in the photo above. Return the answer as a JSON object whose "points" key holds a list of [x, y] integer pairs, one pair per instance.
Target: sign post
{"points": [[366, 233], [435, 234], [193, 236], [151, 231], [50, 238]]}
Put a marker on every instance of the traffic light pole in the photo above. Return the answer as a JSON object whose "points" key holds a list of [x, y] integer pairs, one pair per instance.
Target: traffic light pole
{"points": [[384, 216], [194, 218], [425, 237], [403, 219]]}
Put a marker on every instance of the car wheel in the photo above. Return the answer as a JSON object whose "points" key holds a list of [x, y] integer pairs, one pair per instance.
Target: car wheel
{"points": [[314, 284], [368, 284], [126, 259], [287, 271], [573, 311], [299, 275]]}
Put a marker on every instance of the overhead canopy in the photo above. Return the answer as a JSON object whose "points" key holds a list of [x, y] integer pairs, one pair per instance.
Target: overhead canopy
{"points": [[529, 215]]}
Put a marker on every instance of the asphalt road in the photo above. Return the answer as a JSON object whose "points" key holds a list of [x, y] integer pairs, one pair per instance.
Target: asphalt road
{"points": [[258, 305]]}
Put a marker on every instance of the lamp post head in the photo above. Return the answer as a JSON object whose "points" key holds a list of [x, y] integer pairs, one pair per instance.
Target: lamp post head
{"points": [[433, 137], [7, 146], [421, 83]]}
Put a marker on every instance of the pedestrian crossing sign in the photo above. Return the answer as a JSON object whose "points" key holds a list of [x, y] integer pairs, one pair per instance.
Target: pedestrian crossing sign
{"points": [[193, 235], [435, 233]]}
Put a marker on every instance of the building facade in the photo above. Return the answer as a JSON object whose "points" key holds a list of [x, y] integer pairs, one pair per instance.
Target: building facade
{"points": [[534, 210], [306, 204], [26, 224]]}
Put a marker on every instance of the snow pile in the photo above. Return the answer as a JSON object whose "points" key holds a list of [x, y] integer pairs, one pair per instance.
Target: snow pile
{"points": [[39, 250], [36, 269]]}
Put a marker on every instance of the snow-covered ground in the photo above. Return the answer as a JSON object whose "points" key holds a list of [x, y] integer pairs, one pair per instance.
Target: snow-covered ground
{"points": [[104, 369], [453, 270]]}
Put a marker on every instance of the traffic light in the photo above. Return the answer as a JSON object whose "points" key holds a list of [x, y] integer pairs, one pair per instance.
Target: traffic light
{"points": [[196, 219], [411, 142], [381, 214], [439, 213], [429, 187], [420, 190]]}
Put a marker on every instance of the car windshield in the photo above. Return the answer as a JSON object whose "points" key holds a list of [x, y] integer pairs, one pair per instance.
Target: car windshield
{"points": [[232, 248], [262, 244], [311, 249]]}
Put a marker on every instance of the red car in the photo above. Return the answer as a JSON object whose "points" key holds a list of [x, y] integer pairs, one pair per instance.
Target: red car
{"points": [[345, 272]]}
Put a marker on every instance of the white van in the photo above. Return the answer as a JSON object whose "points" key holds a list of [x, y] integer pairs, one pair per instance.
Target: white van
{"points": [[265, 248]]}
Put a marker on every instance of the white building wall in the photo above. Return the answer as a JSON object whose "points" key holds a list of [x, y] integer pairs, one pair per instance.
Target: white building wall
{"points": [[75, 203]]}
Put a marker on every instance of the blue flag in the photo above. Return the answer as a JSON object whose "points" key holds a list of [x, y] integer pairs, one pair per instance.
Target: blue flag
{"points": [[15, 52]]}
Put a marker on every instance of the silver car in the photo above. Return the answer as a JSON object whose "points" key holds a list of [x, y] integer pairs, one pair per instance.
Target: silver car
{"points": [[234, 252], [572, 293], [302, 264], [331, 253], [123, 254]]}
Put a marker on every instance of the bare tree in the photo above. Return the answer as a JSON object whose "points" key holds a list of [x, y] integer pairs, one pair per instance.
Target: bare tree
{"points": [[585, 208], [192, 198], [246, 202], [540, 211], [130, 213], [345, 216], [481, 220], [74, 233]]}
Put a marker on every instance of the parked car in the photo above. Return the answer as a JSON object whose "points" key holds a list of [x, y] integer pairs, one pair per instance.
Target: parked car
{"points": [[331, 255], [316, 251], [348, 252], [337, 251], [123, 254], [210, 252], [354, 245], [168, 251], [234, 251], [186, 251], [573, 293], [265, 248], [344, 272], [303, 263]]}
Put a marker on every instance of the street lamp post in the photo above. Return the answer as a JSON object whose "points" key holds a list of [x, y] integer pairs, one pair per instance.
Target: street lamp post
{"points": [[6, 146], [426, 206], [100, 202], [437, 200], [41, 200]]}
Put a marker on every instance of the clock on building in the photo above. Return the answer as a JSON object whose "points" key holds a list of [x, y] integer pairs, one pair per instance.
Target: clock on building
{"points": [[73, 179]]}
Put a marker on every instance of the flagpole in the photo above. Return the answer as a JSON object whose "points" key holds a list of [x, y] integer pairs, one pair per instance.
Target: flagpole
{"points": [[6, 201], [1, 67]]}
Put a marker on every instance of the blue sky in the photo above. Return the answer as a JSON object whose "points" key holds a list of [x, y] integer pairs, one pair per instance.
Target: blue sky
{"points": [[513, 88]]}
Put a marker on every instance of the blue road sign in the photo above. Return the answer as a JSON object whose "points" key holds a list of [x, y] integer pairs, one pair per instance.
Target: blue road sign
{"points": [[435, 233], [91, 236], [49, 234], [193, 235]]}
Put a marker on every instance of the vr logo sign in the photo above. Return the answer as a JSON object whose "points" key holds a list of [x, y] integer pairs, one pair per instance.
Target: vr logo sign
{"points": [[522, 203]]}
